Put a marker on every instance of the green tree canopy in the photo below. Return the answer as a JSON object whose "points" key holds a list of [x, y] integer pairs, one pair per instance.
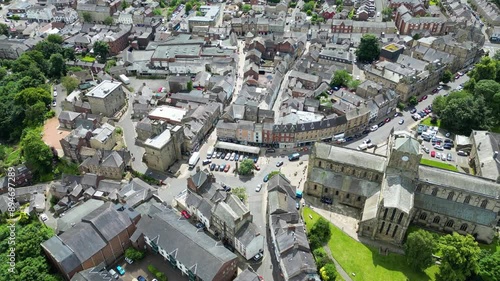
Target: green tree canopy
{"points": [[462, 114], [110, 20], [37, 154], [489, 266], [57, 66], [246, 8], [369, 49], [188, 7], [447, 76], [240, 192], [87, 17], [31, 96], [4, 29], [157, 12], [246, 167], [485, 69], [309, 6], [341, 78], [101, 50], [419, 247], [328, 272], [321, 230], [189, 85], [321, 257], [55, 38], [70, 83], [459, 257]]}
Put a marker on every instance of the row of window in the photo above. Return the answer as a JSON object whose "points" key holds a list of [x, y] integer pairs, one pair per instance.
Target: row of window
{"points": [[400, 219], [451, 195], [352, 172], [449, 223], [348, 195], [388, 229]]}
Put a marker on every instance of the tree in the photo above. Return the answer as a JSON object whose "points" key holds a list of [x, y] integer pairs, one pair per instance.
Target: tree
{"points": [[31, 96], [490, 91], [57, 66], [309, 6], [353, 84], [55, 38], [188, 7], [133, 254], [489, 266], [340, 78], [4, 29], [419, 247], [438, 104], [101, 49], [157, 12], [447, 76], [87, 17], [496, 56], [125, 5], [321, 257], [240, 192], [369, 49], [459, 259], [328, 272], [110, 20], [387, 13], [246, 167], [486, 68], [35, 114], [37, 154], [189, 85], [463, 114], [413, 101], [246, 8], [70, 83], [321, 229]]}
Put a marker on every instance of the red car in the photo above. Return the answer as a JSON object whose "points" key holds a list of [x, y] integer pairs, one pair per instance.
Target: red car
{"points": [[424, 97], [435, 91], [433, 153], [387, 120], [256, 167], [226, 169], [185, 214]]}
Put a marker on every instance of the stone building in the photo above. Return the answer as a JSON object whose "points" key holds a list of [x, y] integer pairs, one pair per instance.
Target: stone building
{"points": [[395, 190], [106, 98], [164, 149]]}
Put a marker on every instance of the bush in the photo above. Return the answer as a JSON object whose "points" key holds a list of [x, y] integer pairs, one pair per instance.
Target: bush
{"points": [[273, 173], [434, 120], [134, 254], [152, 269], [401, 106], [161, 276], [50, 114]]}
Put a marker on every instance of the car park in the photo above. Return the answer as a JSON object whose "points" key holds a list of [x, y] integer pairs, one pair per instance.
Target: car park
{"points": [[259, 187], [120, 270]]}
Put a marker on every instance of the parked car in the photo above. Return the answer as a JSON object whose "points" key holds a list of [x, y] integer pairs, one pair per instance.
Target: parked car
{"points": [[266, 178], [236, 157], [256, 167], [373, 128], [228, 156], [297, 205], [232, 156], [113, 273], [433, 153], [219, 154], [44, 217], [438, 147], [443, 157], [425, 149], [381, 124], [129, 261], [206, 162], [54, 103], [401, 122], [256, 159], [413, 110], [226, 169], [259, 187], [367, 141], [214, 155], [462, 153], [448, 157], [120, 270], [185, 214], [270, 150], [212, 167], [221, 167], [387, 120], [55, 93], [279, 164], [140, 278], [200, 225], [438, 155], [258, 257], [435, 91]]}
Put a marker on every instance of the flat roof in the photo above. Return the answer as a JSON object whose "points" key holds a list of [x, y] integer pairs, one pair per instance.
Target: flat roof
{"points": [[237, 147], [103, 89], [173, 51], [166, 112], [159, 141]]}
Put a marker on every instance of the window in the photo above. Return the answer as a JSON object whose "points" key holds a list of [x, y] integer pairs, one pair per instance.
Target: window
{"points": [[337, 193], [319, 164], [385, 213], [451, 195], [423, 216], [359, 198], [325, 190], [400, 218], [388, 229], [434, 192], [436, 219], [449, 223], [348, 195], [382, 227], [393, 214], [463, 227], [484, 204], [395, 230], [467, 199], [315, 186]]}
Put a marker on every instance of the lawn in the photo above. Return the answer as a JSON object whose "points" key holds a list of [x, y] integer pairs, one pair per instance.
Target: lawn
{"points": [[438, 164], [88, 59], [433, 2], [365, 261], [427, 121]]}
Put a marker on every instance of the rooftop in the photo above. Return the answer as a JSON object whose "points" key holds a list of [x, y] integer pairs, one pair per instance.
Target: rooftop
{"points": [[168, 113], [103, 89], [159, 141]]}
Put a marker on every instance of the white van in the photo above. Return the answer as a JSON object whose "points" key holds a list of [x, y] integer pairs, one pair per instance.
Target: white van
{"points": [[363, 146]]}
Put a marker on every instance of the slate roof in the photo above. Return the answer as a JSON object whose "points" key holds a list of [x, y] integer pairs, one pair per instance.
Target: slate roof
{"points": [[135, 192], [62, 253], [407, 144], [349, 156], [371, 207], [75, 215], [281, 183], [108, 221], [397, 192], [344, 182], [247, 275], [454, 209], [178, 237]]}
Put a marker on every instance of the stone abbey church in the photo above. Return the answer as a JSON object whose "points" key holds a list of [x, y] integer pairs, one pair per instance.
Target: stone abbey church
{"points": [[395, 190]]}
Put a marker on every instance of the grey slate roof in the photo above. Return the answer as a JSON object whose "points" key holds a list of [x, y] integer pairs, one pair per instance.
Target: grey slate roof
{"points": [[61, 253], [409, 145], [76, 214], [83, 240], [247, 275], [350, 156], [343, 182], [108, 221], [454, 209], [455, 180], [281, 183], [398, 192], [195, 250]]}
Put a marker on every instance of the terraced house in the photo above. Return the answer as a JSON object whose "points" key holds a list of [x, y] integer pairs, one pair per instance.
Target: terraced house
{"points": [[394, 191]]}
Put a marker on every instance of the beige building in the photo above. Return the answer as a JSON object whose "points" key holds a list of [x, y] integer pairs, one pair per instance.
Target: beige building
{"points": [[103, 137], [164, 149], [484, 155], [106, 98], [395, 190]]}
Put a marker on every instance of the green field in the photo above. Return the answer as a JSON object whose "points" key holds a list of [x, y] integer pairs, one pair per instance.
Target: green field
{"points": [[88, 59], [365, 261], [427, 121], [438, 164]]}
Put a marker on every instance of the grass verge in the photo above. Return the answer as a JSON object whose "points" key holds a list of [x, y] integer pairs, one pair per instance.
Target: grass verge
{"points": [[365, 261], [427, 121], [437, 164]]}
